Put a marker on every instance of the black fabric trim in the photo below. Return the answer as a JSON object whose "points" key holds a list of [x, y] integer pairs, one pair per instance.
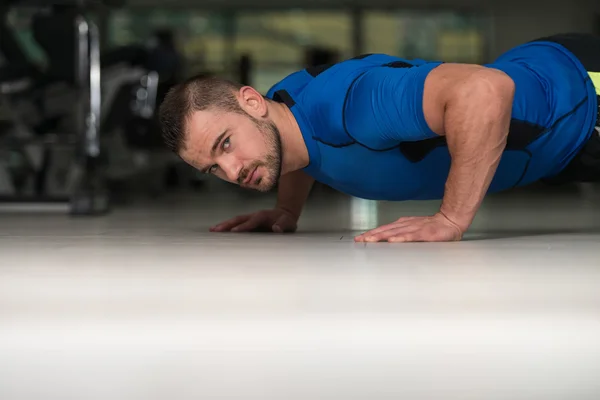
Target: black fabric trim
{"points": [[524, 169], [337, 146], [282, 96], [398, 64], [522, 133], [417, 151], [360, 57], [318, 69]]}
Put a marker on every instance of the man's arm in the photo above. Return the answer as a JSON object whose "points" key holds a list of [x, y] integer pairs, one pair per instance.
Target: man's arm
{"points": [[293, 192], [468, 104], [471, 105]]}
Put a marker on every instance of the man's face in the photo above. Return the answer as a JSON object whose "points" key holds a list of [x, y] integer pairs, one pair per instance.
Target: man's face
{"points": [[234, 147]]}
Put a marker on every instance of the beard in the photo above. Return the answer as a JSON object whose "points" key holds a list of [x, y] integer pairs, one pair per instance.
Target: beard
{"points": [[272, 161]]}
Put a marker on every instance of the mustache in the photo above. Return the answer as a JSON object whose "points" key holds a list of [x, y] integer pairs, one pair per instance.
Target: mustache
{"points": [[244, 174]]}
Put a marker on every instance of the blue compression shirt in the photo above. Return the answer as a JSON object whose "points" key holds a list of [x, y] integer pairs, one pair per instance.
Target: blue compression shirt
{"points": [[363, 124]]}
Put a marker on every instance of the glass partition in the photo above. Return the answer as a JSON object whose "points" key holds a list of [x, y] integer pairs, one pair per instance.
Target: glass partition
{"points": [[200, 36], [446, 36], [281, 42], [278, 42]]}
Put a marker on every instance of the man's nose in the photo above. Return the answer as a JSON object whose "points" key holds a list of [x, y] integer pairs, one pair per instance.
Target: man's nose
{"points": [[232, 168]]}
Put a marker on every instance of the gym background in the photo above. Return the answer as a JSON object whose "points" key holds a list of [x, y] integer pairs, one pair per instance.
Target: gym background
{"points": [[145, 47], [111, 286]]}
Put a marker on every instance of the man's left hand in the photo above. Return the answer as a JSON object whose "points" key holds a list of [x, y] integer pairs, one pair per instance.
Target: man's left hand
{"points": [[436, 228]]}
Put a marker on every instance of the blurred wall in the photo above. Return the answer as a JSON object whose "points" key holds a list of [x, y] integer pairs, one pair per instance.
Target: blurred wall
{"points": [[519, 21], [513, 21]]}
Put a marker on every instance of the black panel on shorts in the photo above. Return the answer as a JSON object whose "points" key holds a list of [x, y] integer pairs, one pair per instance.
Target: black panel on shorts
{"points": [[584, 46]]}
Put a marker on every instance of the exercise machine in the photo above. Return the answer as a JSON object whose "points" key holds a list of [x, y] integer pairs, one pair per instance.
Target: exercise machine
{"points": [[21, 82], [79, 123]]}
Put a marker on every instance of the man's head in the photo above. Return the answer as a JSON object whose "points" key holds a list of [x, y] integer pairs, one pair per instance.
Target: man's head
{"points": [[223, 128]]}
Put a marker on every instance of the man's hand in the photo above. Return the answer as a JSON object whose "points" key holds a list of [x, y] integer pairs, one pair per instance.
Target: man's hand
{"points": [[294, 189], [436, 228], [276, 220]]}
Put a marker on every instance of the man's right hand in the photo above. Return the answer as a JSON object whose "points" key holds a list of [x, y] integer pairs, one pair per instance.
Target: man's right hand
{"points": [[275, 220], [293, 191]]}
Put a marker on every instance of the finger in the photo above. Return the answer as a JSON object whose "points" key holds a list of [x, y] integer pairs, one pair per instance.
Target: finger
{"points": [[400, 222], [407, 237], [384, 229], [373, 232], [227, 225], [384, 236], [253, 223], [423, 235], [427, 235], [283, 224]]}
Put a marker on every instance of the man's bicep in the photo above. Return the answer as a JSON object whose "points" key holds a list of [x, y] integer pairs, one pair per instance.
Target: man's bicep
{"points": [[385, 106]]}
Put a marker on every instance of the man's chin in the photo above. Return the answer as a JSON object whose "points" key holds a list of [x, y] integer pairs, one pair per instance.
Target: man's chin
{"points": [[265, 188], [266, 185], [259, 186]]}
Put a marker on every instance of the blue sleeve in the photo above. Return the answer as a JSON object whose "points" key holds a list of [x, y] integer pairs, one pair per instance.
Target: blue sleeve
{"points": [[385, 106]]}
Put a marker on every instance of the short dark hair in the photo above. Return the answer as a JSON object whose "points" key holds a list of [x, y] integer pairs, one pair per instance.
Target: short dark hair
{"points": [[198, 93]]}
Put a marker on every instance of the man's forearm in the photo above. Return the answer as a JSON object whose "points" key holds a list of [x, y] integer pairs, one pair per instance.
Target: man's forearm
{"points": [[293, 191], [477, 123]]}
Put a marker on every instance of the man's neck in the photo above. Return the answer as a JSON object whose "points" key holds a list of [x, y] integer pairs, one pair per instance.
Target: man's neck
{"points": [[295, 152]]}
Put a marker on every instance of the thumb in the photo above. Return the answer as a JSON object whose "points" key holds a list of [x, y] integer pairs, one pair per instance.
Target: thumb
{"points": [[282, 224]]}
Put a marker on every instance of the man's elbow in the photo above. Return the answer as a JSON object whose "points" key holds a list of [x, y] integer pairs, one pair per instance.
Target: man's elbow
{"points": [[481, 103], [491, 90]]}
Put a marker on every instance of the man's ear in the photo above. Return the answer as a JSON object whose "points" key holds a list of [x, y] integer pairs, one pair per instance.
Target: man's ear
{"points": [[252, 102]]}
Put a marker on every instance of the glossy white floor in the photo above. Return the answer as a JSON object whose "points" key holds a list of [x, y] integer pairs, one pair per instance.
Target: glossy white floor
{"points": [[146, 304]]}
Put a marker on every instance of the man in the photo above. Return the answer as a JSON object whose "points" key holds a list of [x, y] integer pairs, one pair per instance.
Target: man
{"points": [[386, 128]]}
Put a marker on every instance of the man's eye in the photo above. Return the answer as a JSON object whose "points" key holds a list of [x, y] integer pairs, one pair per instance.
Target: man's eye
{"points": [[212, 169], [226, 144]]}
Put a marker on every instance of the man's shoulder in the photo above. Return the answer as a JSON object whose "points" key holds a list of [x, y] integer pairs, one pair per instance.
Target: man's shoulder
{"points": [[320, 92], [337, 75], [324, 94]]}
